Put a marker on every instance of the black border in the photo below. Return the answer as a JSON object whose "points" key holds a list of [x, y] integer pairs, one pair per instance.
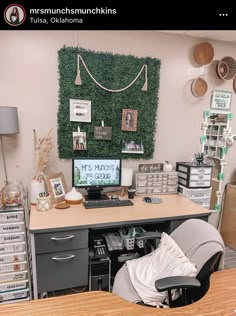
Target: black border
{"points": [[146, 15]]}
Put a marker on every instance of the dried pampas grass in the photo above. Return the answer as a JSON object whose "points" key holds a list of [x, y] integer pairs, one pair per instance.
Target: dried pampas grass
{"points": [[42, 147]]}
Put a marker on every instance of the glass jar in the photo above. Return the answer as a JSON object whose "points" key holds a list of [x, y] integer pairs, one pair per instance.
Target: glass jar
{"points": [[12, 194]]}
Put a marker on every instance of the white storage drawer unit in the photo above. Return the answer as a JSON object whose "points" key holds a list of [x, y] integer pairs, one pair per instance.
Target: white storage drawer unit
{"points": [[14, 258], [192, 176], [156, 182]]}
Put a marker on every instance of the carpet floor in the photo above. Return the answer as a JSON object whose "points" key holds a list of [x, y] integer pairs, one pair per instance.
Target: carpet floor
{"points": [[230, 258]]}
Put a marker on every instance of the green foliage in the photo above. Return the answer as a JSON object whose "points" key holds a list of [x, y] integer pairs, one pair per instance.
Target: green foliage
{"points": [[114, 72]]}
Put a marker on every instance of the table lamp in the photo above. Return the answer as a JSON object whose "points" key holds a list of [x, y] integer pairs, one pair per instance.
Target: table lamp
{"points": [[126, 179], [8, 126]]}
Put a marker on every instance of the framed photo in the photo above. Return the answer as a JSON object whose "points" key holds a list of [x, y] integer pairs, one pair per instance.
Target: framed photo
{"points": [[221, 100], [132, 147], [80, 110], [56, 186], [79, 141], [129, 120]]}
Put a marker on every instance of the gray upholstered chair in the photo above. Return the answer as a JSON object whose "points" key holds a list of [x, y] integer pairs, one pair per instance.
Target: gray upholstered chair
{"points": [[202, 244]]}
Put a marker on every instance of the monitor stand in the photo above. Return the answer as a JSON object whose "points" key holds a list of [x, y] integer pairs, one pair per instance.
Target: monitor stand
{"points": [[95, 194]]}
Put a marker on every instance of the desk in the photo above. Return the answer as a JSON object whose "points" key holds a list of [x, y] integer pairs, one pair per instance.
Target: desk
{"points": [[219, 300], [57, 235]]}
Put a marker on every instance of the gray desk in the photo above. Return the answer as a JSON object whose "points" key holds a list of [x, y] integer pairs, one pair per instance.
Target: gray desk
{"points": [[59, 238]]}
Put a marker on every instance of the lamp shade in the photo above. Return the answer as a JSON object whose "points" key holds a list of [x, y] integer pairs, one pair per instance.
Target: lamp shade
{"points": [[8, 120], [126, 177]]}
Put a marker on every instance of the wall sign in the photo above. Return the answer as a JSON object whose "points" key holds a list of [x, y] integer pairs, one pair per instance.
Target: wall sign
{"points": [[221, 100], [102, 133]]}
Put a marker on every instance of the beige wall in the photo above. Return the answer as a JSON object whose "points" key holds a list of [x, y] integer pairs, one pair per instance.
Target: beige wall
{"points": [[29, 80]]}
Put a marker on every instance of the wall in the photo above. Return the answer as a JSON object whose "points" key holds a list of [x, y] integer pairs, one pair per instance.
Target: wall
{"points": [[29, 80]]}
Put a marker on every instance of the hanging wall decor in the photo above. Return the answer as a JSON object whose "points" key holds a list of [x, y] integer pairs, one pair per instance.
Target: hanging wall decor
{"points": [[80, 110], [129, 120], [103, 132], [112, 83], [79, 141]]}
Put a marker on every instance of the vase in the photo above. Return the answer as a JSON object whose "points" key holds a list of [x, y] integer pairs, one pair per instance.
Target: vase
{"points": [[37, 186]]}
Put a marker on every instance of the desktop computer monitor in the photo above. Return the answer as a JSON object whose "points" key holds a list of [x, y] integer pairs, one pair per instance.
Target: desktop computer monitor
{"points": [[94, 174]]}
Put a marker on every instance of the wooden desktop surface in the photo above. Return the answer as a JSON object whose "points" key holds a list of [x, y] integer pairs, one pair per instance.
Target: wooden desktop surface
{"points": [[219, 300], [173, 205]]}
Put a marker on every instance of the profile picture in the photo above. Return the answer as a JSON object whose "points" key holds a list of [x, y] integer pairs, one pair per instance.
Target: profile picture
{"points": [[14, 14]]}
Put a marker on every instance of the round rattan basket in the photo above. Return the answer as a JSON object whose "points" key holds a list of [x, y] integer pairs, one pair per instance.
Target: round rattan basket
{"points": [[204, 53], [199, 87], [202, 85]]}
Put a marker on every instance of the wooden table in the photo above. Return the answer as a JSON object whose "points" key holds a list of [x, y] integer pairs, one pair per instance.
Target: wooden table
{"points": [[174, 207], [219, 300]]}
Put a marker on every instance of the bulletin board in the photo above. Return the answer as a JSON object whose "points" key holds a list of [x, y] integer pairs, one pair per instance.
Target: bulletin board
{"points": [[113, 71]]}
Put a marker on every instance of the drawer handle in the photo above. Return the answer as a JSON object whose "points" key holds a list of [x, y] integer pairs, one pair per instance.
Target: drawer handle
{"points": [[63, 258], [62, 238]]}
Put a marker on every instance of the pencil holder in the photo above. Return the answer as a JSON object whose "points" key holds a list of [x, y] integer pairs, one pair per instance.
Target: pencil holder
{"points": [[44, 204]]}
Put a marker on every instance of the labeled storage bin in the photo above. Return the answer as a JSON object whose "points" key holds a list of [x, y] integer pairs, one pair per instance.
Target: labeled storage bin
{"points": [[14, 247], [194, 176], [13, 267], [13, 237], [13, 286], [9, 217], [13, 276], [156, 182], [194, 193], [11, 227], [12, 257], [13, 295]]}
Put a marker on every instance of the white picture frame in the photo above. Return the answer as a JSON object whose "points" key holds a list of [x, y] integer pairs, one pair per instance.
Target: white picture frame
{"points": [[80, 110], [221, 100]]}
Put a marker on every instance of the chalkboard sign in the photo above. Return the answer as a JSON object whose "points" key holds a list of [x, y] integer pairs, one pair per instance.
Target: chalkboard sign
{"points": [[102, 133], [221, 100]]}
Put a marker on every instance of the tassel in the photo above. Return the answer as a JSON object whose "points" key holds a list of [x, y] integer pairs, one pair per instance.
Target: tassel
{"points": [[145, 86], [78, 81]]}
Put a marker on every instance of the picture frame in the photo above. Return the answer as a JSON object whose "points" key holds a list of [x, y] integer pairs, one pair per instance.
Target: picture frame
{"points": [[56, 187], [80, 110], [129, 120], [132, 147], [79, 141], [221, 100]]}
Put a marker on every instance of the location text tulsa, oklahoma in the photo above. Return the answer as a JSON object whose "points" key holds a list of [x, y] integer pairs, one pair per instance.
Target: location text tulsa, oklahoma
{"points": [[54, 20]]}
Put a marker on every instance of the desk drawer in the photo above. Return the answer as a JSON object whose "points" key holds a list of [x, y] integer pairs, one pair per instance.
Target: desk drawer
{"points": [[61, 241], [61, 270]]}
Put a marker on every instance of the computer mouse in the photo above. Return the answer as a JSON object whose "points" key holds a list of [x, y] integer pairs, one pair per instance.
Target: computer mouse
{"points": [[147, 199]]}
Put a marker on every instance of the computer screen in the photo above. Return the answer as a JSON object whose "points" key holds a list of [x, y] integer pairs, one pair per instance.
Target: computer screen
{"points": [[94, 174]]}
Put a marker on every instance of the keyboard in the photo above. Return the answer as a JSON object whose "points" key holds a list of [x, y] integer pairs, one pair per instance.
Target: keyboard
{"points": [[107, 203]]}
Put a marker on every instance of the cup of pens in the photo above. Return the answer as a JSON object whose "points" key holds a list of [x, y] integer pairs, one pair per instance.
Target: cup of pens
{"points": [[44, 202]]}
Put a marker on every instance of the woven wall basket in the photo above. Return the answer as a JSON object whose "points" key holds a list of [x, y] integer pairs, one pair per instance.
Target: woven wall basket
{"points": [[204, 53], [226, 68], [199, 87]]}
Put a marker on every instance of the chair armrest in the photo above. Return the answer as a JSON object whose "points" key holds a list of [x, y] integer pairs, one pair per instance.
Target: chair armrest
{"points": [[176, 282], [148, 235]]}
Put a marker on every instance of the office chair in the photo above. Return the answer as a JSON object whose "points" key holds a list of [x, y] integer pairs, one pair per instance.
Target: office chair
{"points": [[202, 249]]}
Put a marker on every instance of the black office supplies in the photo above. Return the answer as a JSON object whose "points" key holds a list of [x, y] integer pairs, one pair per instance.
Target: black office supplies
{"points": [[106, 203]]}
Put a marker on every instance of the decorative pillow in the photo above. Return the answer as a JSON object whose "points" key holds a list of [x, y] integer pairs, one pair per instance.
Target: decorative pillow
{"points": [[167, 260]]}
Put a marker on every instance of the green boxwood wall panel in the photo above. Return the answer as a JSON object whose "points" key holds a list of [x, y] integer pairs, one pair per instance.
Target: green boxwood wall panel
{"points": [[113, 71]]}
